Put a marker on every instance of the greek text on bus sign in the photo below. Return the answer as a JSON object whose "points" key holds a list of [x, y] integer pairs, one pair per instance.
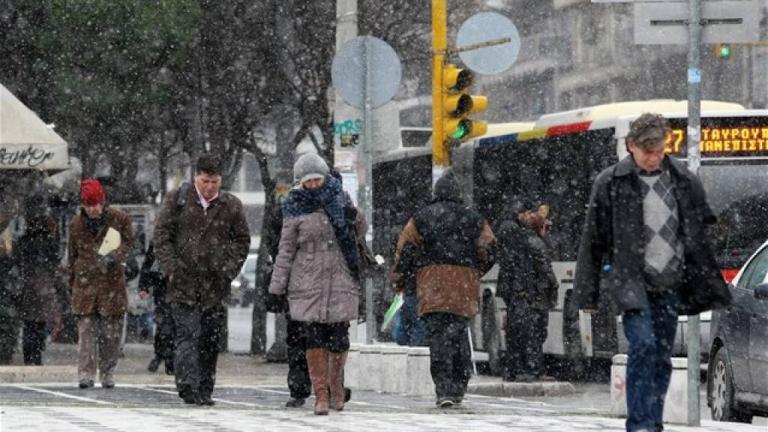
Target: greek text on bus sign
{"points": [[724, 140]]}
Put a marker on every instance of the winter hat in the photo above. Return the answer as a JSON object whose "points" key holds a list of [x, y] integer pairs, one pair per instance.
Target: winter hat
{"points": [[309, 166], [91, 192]]}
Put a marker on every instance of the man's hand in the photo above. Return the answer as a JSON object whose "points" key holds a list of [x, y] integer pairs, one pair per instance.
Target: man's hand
{"points": [[107, 263]]}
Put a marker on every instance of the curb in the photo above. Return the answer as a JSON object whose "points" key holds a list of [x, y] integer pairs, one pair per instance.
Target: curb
{"points": [[512, 389], [37, 374]]}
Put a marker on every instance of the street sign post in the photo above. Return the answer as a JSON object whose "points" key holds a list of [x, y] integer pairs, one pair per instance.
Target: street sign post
{"points": [[366, 72]]}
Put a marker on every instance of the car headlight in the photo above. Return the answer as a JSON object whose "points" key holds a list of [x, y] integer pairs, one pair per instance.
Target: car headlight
{"points": [[236, 284]]}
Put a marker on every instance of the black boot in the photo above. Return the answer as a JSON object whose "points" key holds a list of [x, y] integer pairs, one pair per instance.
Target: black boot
{"points": [[153, 364]]}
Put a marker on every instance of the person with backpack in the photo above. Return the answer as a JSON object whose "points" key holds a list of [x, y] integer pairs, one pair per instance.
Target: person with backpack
{"points": [[448, 246], [202, 240]]}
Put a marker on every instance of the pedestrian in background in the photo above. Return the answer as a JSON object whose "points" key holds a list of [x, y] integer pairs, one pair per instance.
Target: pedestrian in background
{"points": [[97, 283], [528, 287], [37, 257], [453, 243], [645, 239], [317, 266], [202, 241], [152, 282]]}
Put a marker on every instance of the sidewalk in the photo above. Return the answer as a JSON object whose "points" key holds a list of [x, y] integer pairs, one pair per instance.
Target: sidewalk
{"points": [[60, 365]]}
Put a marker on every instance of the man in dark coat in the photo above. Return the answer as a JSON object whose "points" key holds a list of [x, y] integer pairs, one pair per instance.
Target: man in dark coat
{"points": [[152, 282], [37, 257], [645, 241], [528, 286], [450, 244], [202, 245]]}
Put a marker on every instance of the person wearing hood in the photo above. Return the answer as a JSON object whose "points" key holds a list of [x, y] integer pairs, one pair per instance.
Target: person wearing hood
{"points": [[528, 287], [317, 266], [449, 247], [97, 283]]}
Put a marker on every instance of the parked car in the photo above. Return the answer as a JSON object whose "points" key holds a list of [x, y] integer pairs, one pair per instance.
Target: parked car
{"points": [[244, 285], [737, 376]]}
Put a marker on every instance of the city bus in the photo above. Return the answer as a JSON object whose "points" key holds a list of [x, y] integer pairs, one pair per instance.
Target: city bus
{"points": [[555, 160]]}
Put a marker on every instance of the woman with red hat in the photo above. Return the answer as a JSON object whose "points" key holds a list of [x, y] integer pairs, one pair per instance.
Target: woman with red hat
{"points": [[97, 282]]}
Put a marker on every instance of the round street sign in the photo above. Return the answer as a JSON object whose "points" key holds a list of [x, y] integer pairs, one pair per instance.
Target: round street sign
{"points": [[361, 57], [488, 43]]}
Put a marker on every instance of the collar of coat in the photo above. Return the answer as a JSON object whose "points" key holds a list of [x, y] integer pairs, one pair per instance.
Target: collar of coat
{"points": [[627, 166]]}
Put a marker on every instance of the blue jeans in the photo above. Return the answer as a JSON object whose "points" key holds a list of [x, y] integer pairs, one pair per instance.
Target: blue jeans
{"points": [[651, 333], [410, 328]]}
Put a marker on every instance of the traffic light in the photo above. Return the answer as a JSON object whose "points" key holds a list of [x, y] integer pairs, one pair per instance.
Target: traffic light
{"points": [[454, 105], [722, 50], [458, 104]]}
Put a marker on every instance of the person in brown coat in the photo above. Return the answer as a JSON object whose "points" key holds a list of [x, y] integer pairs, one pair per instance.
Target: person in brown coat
{"points": [[317, 266], [97, 283], [448, 246], [202, 241]]}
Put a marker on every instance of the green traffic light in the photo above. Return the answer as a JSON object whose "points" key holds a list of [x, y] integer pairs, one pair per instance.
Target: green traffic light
{"points": [[725, 51], [461, 131]]}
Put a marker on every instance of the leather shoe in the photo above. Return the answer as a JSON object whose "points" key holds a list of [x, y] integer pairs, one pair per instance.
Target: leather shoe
{"points": [[85, 383], [205, 400]]}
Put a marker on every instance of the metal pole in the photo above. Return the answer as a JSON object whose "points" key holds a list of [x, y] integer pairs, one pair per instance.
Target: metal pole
{"points": [[365, 192], [693, 331]]}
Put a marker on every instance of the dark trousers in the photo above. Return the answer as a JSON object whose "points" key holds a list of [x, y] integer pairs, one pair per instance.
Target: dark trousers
{"points": [[164, 332], [298, 373], [525, 335], [650, 333], [449, 353], [33, 342], [198, 333]]}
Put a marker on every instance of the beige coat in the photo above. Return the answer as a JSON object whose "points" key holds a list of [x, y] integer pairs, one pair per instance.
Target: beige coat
{"points": [[311, 269]]}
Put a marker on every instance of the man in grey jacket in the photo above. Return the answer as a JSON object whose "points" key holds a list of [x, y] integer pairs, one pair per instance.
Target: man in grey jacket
{"points": [[201, 240], [645, 241]]}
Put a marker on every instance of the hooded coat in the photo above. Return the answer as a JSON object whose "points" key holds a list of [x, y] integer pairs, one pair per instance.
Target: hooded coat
{"points": [[611, 252], [37, 257], [93, 290], [448, 246]]}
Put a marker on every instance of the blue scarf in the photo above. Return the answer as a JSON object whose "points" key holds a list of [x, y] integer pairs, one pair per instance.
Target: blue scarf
{"points": [[330, 198]]}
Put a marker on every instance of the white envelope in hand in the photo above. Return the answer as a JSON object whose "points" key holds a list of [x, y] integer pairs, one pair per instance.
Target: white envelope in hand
{"points": [[111, 242]]}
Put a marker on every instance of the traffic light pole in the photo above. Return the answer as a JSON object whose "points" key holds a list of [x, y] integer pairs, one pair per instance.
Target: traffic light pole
{"points": [[440, 155], [693, 330]]}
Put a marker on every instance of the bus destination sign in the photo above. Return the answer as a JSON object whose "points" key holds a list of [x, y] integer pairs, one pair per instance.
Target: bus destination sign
{"points": [[722, 137]]}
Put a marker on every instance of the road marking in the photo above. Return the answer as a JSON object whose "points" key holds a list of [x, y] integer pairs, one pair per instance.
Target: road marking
{"points": [[224, 401], [62, 394]]}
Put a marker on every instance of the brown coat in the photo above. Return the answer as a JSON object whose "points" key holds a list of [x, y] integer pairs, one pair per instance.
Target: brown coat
{"points": [[444, 287], [202, 251], [95, 292], [312, 270]]}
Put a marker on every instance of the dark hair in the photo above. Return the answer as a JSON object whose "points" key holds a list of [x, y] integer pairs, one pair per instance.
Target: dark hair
{"points": [[208, 163], [647, 130]]}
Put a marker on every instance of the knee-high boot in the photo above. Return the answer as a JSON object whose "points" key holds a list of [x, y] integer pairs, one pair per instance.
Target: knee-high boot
{"points": [[336, 375], [317, 361]]}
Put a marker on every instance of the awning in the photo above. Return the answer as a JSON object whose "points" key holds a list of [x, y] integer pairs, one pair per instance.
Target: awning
{"points": [[26, 142]]}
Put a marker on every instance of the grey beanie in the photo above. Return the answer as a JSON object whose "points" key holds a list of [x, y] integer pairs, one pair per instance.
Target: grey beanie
{"points": [[309, 166]]}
